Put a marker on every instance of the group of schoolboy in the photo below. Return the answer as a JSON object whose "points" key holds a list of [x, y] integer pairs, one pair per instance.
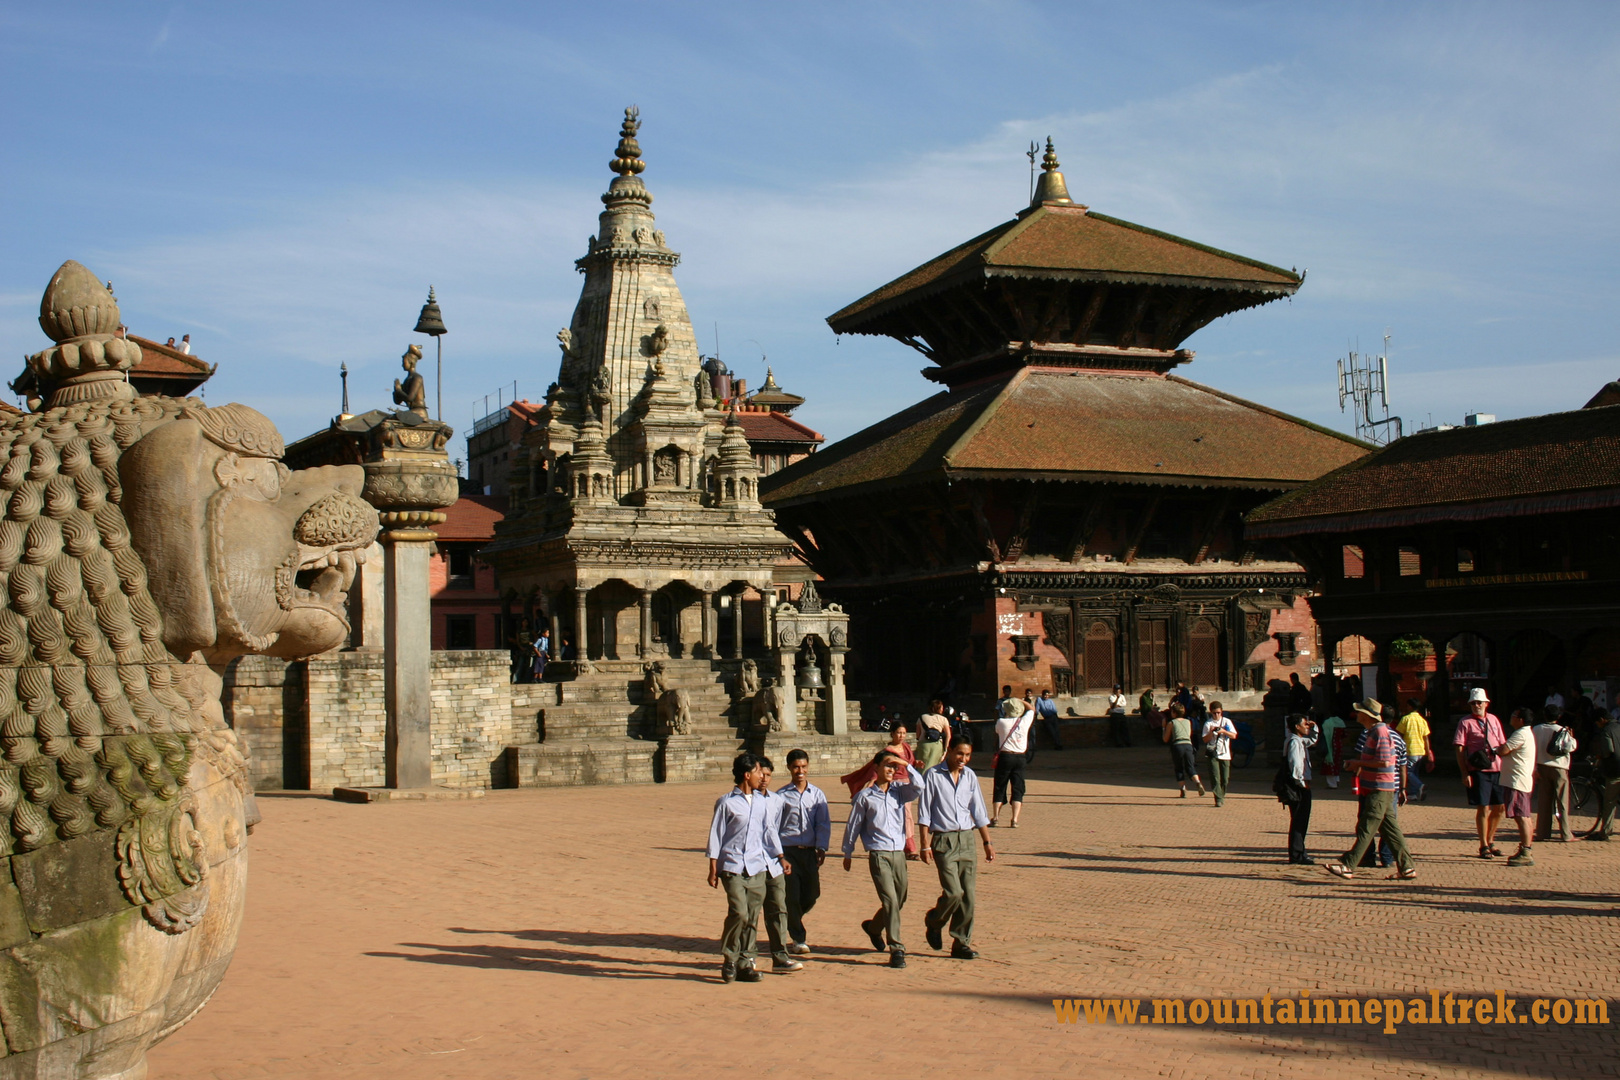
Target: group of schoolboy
{"points": [[766, 849]]}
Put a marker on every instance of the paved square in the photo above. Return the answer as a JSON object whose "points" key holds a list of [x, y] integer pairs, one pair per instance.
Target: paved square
{"points": [[569, 933]]}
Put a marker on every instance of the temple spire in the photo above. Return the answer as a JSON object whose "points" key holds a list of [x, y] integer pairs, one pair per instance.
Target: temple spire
{"points": [[1050, 188], [627, 186]]}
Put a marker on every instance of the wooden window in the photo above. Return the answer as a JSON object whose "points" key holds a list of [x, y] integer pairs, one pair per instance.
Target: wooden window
{"points": [[1153, 652], [461, 631], [1409, 562], [1204, 655], [1355, 564], [461, 568], [1099, 657]]}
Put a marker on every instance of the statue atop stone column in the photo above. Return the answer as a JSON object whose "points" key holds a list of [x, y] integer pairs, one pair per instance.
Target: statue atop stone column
{"points": [[412, 393]]}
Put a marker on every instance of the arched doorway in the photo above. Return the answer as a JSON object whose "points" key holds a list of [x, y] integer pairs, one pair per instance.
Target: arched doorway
{"points": [[1468, 664], [1532, 661]]}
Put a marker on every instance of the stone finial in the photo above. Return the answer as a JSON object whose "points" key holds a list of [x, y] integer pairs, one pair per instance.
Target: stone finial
{"points": [[1051, 187], [627, 186], [91, 354], [627, 159]]}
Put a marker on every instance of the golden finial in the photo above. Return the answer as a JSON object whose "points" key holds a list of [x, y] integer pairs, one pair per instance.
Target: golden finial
{"points": [[628, 160], [1050, 188]]}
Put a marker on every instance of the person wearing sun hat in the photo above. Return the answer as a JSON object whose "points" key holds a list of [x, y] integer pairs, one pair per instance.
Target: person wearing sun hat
{"points": [[1478, 735], [1379, 783]]}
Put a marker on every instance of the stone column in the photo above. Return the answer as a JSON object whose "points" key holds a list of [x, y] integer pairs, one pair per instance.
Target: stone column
{"points": [[554, 617], [407, 644], [582, 649], [408, 479], [736, 626], [785, 657], [706, 631], [837, 710], [646, 623], [366, 603]]}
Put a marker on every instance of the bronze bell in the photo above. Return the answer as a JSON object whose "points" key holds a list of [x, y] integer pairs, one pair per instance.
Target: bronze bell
{"points": [[810, 674], [430, 321]]}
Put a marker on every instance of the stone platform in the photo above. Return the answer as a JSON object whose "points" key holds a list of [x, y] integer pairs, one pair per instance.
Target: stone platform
{"points": [[383, 794], [830, 755]]}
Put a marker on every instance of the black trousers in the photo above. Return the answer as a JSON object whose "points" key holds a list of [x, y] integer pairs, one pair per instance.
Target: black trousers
{"points": [[1119, 731], [803, 889], [1009, 769], [1299, 822]]}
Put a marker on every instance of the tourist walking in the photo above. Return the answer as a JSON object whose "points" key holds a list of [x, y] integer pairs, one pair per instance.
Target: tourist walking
{"points": [[806, 834], [1046, 712], [1375, 813], [949, 812], [776, 917], [1414, 729], [1178, 734], [1218, 736], [1119, 730], [1518, 757], [741, 850], [1477, 735], [1382, 854], [878, 817], [1554, 744], [1012, 748], [933, 732], [1302, 735]]}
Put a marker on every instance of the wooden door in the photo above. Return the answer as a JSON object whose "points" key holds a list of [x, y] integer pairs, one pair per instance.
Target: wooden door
{"points": [[1100, 657], [1153, 652], [1204, 655]]}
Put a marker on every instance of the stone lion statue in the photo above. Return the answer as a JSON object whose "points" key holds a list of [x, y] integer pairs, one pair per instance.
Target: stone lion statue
{"points": [[768, 705], [747, 684], [145, 543], [673, 704]]}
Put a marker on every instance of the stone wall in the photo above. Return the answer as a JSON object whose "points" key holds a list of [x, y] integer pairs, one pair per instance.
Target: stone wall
{"points": [[321, 723]]}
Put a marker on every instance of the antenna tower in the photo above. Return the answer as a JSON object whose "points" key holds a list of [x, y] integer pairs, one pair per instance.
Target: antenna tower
{"points": [[1364, 383]]}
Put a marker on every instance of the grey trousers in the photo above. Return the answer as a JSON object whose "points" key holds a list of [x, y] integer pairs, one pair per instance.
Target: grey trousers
{"points": [[889, 875], [957, 861], [1552, 797], [1220, 770], [776, 916], [739, 939]]}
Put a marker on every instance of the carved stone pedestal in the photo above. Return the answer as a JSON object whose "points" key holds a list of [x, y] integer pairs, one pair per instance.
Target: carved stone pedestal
{"points": [[681, 758]]}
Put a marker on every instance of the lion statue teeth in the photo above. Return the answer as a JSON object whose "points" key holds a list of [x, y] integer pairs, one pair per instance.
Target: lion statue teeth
{"points": [[144, 543]]}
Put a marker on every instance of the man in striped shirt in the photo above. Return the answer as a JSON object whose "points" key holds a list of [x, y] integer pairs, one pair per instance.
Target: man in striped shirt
{"points": [[1379, 781]]}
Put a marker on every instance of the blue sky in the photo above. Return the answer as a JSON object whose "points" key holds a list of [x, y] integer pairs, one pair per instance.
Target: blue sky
{"points": [[284, 181]]}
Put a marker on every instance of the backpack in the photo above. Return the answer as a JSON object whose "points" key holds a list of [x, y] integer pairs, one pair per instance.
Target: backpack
{"points": [[1284, 787], [1562, 744]]}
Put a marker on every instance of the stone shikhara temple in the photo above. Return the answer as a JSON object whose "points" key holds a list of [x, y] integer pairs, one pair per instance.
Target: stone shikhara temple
{"points": [[639, 538], [1067, 513]]}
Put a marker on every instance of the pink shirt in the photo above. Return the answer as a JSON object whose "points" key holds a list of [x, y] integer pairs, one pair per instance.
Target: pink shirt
{"points": [[1475, 734]]}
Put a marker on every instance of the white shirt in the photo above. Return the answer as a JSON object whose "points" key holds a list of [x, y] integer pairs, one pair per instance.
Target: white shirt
{"points": [[1519, 767], [1012, 736], [1222, 743], [1117, 701], [1543, 734], [1555, 698]]}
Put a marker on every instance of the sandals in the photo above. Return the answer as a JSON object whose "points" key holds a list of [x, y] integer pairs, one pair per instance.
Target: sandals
{"points": [[1496, 852], [1340, 870], [1486, 853], [1403, 875]]}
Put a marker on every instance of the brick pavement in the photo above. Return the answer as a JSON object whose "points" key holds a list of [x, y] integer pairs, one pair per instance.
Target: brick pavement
{"points": [[568, 932]]}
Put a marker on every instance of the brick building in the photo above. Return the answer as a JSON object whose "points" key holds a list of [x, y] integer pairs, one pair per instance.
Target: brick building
{"points": [[466, 598]]}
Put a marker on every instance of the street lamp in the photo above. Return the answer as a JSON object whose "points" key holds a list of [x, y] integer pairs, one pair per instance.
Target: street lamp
{"points": [[432, 323]]}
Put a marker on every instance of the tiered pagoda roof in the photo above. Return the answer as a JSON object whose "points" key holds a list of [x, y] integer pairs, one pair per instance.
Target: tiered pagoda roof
{"points": [[1040, 423], [1066, 285]]}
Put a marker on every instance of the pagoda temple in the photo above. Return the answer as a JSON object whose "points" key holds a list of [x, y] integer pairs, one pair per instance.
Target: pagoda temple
{"points": [[1067, 512]]}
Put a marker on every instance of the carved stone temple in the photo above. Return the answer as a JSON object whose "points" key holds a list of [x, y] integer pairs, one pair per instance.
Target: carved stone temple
{"points": [[639, 533]]}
